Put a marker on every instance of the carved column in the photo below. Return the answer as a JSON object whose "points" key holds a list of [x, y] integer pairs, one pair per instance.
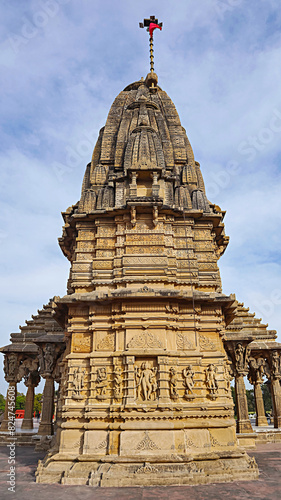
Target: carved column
{"points": [[276, 400], [61, 366], [46, 427], [155, 185], [11, 364], [240, 356], [255, 376], [275, 376], [133, 185], [48, 355], [164, 376], [130, 380], [9, 412], [243, 423], [31, 382], [260, 413]]}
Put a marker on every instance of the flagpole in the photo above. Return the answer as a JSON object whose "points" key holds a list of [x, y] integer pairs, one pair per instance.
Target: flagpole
{"points": [[151, 24], [151, 54]]}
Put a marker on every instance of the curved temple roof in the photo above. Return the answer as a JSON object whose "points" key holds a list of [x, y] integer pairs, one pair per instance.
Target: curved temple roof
{"points": [[143, 139]]}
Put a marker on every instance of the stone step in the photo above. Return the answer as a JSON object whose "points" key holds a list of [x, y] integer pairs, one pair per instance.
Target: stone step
{"points": [[21, 439]]}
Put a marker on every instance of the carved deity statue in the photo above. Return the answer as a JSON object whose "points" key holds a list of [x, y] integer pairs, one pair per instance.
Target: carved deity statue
{"points": [[10, 365], [256, 370], [78, 382], [188, 375], [49, 357], [211, 379], [146, 383], [101, 383], [117, 381], [275, 363], [241, 357], [26, 368], [228, 375], [173, 383]]}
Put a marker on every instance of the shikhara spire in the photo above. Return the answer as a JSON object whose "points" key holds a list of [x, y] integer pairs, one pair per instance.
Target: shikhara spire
{"points": [[151, 24]]}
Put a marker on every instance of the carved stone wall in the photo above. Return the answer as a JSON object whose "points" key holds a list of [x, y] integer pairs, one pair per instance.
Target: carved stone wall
{"points": [[114, 254], [144, 316]]}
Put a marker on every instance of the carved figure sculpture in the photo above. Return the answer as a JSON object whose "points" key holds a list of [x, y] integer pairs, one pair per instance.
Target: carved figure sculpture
{"points": [[239, 356], [49, 357], [78, 382], [25, 368], [228, 375], [10, 365], [275, 361], [117, 389], [146, 383], [188, 375], [173, 383], [101, 383], [256, 371], [211, 379]]}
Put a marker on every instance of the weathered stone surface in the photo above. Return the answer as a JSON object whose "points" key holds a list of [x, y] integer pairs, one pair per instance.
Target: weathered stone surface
{"points": [[145, 398]]}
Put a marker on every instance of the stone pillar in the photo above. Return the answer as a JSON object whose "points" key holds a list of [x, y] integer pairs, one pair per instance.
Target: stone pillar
{"points": [[243, 424], [276, 402], [10, 408], [163, 384], [255, 376], [49, 353], [133, 185], [275, 376], [62, 392], [31, 382], [260, 413], [240, 356], [11, 367], [28, 413], [130, 382], [46, 427]]}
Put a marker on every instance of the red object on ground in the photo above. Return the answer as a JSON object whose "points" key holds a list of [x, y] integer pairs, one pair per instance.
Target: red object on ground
{"points": [[19, 413], [152, 27]]}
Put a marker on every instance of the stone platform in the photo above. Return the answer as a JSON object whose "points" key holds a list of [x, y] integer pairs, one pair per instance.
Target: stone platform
{"points": [[267, 486], [112, 471]]}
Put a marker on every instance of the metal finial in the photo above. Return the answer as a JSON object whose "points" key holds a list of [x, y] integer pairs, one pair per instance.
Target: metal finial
{"points": [[151, 24]]}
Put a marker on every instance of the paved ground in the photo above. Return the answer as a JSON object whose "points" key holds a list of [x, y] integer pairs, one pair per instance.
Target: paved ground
{"points": [[267, 487]]}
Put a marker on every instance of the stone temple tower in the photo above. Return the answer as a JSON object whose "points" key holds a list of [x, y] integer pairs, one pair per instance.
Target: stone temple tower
{"points": [[145, 396]]}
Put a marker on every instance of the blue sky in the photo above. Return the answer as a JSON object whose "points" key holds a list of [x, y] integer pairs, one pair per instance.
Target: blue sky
{"points": [[62, 64]]}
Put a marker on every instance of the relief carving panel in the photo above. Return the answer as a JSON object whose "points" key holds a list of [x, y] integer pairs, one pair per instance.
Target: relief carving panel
{"points": [[81, 342], [145, 340], [183, 342], [105, 342]]}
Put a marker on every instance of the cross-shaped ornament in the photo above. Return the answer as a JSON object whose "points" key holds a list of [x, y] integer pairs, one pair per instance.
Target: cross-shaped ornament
{"points": [[151, 24]]}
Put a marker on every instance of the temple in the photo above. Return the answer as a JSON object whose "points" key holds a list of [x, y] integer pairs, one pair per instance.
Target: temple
{"points": [[145, 343]]}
